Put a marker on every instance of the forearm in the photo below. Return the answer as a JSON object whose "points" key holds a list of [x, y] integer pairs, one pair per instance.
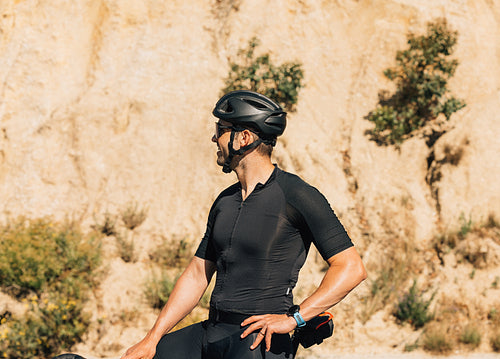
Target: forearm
{"points": [[345, 272], [186, 294]]}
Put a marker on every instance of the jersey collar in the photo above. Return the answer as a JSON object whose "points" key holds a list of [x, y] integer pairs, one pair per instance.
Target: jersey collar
{"points": [[271, 178]]}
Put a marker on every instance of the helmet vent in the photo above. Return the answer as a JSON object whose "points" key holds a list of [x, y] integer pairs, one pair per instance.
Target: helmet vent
{"points": [[229, 108], [256, 104]]}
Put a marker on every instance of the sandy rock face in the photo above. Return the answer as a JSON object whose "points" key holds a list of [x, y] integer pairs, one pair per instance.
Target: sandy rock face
{"points": [[107, 102], [104, 102]]}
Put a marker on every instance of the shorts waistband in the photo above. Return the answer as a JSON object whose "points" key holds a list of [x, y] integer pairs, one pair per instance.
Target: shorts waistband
{"points": [[226, 317]]}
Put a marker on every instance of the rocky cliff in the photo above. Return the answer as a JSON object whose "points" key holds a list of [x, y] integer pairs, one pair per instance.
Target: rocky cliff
{"points": [[105, 102]]}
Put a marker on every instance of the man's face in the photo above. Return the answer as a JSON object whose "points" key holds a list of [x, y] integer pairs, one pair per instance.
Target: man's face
{"points": [[221, 138]]}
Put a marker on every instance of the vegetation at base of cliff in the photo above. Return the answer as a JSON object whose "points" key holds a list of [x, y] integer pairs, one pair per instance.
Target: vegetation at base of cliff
{"points": [[468, 242], [50, 267], [389, 276], [173, 253], [158, 289], [39, 255], [131, 217], [443, 323], [257, 73], [413, 308], [421, 76]]}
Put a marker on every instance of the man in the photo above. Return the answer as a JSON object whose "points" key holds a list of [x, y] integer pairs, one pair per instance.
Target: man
{"points": [[258, 234]]}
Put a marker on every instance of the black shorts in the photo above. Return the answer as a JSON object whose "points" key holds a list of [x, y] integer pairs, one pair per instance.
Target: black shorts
{"points": [[215, 340]]}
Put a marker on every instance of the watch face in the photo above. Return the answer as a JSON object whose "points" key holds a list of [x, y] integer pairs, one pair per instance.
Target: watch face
{"points": [[293, 309]]}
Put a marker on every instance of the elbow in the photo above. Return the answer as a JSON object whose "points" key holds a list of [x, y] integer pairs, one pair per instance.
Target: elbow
{"points": [[357, 271], [361, 272]]}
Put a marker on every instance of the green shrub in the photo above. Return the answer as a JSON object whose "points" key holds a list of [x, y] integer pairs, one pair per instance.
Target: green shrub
{"points": [[173, 253], [471, 336], [421, 76], [38, 255], [158, 290], [280, 83], [465, 226], [50, 327], [412, 308], [54, 265]]}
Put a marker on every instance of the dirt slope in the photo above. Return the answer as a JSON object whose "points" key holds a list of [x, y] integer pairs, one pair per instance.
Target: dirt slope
{"points": [[107, 102]]}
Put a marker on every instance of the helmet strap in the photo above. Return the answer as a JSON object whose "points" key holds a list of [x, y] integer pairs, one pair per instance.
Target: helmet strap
{"points": [[226, 168]]}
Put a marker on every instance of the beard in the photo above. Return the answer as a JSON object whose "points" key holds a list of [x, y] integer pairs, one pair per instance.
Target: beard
{"points": [[220, 158]]}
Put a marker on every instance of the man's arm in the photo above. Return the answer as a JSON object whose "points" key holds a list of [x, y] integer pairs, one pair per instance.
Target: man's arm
{"points": [[345, 272], [185, 296]]}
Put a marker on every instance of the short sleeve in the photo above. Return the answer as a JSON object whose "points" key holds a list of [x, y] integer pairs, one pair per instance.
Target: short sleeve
{"points": [[205, 249], [328, 234]]}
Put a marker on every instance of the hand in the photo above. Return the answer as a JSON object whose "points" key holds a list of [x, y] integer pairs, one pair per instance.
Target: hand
{"points": [[268, 324], [145, 349]]}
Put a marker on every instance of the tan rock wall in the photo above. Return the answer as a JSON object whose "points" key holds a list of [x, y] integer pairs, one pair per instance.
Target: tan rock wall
{"points": [[104, 102]]}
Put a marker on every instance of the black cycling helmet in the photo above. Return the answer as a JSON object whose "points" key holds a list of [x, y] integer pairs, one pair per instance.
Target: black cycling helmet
{"points": [[251, 109], [248, 109]]}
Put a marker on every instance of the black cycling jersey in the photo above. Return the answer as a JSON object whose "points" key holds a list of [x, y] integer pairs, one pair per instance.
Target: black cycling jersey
{"points": [[260, 244]]}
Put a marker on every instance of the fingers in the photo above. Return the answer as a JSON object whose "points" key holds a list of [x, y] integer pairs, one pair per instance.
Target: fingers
{"points": [[260, 336], [252, 319], [269, 335], [266, 326], [252, 328], [257, 321]]}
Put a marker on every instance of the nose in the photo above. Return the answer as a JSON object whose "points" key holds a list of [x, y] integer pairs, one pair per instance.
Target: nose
{"points": [[214, 139]]}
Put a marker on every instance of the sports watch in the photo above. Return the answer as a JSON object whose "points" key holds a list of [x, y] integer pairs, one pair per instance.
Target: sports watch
{"points": [[293, 311]]}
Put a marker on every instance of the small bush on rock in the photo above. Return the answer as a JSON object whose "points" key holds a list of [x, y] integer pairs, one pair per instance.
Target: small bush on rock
{"points": [[257, 73], [421, 77], [412, 308]]}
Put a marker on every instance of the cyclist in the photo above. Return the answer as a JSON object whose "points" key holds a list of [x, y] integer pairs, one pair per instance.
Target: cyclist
{"points": [[258, 234]]}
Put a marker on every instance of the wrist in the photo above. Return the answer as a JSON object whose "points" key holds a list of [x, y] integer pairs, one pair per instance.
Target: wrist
{"points": [[154, 335], [292, 321], [294, 312]]}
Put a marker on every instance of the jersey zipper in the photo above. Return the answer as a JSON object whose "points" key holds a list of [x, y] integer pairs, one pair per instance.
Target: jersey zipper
{"points": [[240, 207]]}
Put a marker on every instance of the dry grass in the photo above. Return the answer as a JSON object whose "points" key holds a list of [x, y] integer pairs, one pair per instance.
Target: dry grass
{"points": [[133, 215], [392, 274], [495, 342], [173, 253], [437, 341], [468, 241], [107, 226], [389, 272], [470, 336], [126, 247], [494, 319]]}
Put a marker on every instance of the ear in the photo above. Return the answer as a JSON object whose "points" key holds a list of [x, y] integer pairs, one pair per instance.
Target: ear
{"points": [[246, 138]]}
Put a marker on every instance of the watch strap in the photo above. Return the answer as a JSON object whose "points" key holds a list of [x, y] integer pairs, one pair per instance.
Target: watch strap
{"points": [[298, 318]]}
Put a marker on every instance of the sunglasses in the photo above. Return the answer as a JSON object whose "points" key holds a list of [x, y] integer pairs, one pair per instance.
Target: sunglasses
{"points": [[220, 129]]}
